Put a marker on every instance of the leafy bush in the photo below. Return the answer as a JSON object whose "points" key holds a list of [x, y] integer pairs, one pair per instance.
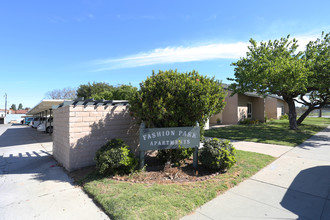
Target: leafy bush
{"points": [[217, 154], [248, 121], [176, 156], [115, 157], [173, 99], [245, 121], [284, 117]]}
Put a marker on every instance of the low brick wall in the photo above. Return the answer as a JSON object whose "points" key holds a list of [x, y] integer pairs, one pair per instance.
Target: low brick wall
{"points": [[79, 131]]}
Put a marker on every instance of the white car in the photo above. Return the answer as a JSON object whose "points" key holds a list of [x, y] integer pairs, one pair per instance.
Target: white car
{"points": [[36, 121], [42, 126]]}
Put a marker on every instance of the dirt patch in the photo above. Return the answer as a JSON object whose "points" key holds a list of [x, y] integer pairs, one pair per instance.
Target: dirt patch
{"points": [[157, 172]]}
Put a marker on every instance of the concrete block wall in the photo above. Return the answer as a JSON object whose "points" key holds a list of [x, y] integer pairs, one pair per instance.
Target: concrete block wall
{"points": [[86, 129]]}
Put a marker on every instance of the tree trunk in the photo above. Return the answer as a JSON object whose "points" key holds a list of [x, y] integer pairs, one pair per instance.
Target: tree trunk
{"points": [[303, 116], [320, 113], [292, 112]]}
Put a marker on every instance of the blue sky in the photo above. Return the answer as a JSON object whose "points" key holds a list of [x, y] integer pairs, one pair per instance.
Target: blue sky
{"points": [[46, 45]]}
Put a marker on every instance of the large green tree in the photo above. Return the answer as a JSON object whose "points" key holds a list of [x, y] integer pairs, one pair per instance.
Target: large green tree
{"points": [[273, 67], [124, 92], [13, 106], [20, 106], [317, 55], [102, 90]]}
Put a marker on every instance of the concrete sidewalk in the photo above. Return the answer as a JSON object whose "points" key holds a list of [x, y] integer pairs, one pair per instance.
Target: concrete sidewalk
{"points": [[295, 186], [33, 185]]}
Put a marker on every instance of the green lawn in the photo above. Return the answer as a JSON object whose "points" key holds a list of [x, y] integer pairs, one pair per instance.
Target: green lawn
{"points": [[125, 200], [274, 132]]}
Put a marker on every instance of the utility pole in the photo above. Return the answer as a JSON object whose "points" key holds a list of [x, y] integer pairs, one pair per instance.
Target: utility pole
{"points": [[5, 104]]}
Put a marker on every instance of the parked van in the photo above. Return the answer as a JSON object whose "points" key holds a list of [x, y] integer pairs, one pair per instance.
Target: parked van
{"points": [[42, 126], [36, 121], [27, 120]]}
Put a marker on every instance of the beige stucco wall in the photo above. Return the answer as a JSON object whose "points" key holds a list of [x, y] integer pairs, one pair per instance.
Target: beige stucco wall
{"points": [[257, 107], [213, 119], [242, 106], [236, 109], [281, 103], [271, 107], [229, 113], [79, 131]]}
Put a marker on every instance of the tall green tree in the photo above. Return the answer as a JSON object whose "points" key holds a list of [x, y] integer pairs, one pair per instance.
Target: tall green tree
{"points": [[96, 91], [273, 67], [13, 106], [20, 106], [317, 55], [124, 92], [102, 90]]}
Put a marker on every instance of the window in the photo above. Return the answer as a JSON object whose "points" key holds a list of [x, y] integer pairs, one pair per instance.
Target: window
{"points": [[282, 110], [249, 110]]}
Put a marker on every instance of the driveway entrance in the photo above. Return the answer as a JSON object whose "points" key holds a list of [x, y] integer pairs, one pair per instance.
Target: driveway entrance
{"points": [[32, 184]]}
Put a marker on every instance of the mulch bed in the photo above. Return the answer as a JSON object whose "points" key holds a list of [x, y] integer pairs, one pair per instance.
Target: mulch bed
{"points": [[157, 172]]}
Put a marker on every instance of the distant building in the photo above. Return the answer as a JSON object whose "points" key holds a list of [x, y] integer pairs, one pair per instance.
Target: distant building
{"points": [[252, 106], [11, 116]]}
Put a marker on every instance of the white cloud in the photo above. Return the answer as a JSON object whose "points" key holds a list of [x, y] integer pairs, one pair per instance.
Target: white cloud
{"points": [[176, 55], [303, 40], [188, 54]]}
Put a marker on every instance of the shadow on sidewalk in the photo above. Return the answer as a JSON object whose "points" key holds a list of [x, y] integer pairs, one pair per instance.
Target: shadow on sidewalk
{"points": [[308, 193], [21, 134], [23, 152]]}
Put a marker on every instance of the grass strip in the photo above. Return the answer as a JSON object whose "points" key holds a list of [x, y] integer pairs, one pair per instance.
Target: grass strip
{"points": [[273, 132], [125, 200]]}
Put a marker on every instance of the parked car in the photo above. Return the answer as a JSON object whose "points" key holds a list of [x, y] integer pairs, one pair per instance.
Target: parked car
{"points": [[42, 126], [36, 121], [27, 120]]}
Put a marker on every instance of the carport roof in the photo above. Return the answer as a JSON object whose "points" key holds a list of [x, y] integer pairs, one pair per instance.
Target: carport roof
{"points": [[44, 105]]}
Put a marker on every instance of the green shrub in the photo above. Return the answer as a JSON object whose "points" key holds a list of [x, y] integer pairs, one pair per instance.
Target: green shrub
{"points": [[173, 99], [245, 121], [115, 157], [284, 117], [217, 154], [175, 156], [266, 118], [248, 121]]}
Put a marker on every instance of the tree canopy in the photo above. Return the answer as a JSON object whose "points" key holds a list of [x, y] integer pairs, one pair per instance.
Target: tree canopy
{"points": [[317, 55], [102, 90], [65, 93], [20, 106], [13, 106], [274, 67], [277, 68]]}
